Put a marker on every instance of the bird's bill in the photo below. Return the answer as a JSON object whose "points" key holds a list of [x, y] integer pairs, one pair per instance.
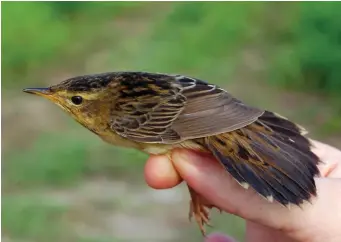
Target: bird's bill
{"points": [[38, 91]]}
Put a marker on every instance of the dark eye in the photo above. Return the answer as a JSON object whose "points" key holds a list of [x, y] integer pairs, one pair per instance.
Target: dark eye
{"points": [[77, 100]]}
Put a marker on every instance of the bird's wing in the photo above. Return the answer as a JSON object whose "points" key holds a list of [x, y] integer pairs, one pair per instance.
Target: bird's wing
{"points": [[177, 108], [210, 110]]}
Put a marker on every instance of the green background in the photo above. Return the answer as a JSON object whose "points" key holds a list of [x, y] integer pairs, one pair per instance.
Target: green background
{"points": [[61, 183]]}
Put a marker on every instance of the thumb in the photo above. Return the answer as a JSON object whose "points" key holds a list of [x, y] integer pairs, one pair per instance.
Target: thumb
{"points": [[209, 179]]}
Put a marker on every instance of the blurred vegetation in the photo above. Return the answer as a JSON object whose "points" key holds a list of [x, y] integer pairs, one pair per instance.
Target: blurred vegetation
{"points": [[298, 46], [309, 56], [50, 33], [198, 39], [306, 55]]}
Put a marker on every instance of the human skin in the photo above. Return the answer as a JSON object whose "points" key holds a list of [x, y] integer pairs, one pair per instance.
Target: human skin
{"points": [[316, 221]]}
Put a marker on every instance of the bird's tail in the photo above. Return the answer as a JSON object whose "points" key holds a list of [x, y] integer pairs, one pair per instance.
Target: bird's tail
{"points": [[272, 156]]}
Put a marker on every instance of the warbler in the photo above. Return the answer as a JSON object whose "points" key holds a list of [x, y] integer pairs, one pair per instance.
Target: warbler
{"points": [[156, 113]]}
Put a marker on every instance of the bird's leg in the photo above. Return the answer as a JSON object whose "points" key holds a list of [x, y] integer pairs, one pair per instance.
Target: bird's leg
{"points": [[198, 207], [199, 210]]}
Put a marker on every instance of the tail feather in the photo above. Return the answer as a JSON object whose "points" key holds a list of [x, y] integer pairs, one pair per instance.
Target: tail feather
{"points": [[272, 156]]}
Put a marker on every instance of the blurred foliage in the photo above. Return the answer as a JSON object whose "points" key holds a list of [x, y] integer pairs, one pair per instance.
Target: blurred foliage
{"points": [[47, 163], [309, 56], [28, 40], [198, 39], [26, 218], [35, 34], [299, 41], [64, 159]]}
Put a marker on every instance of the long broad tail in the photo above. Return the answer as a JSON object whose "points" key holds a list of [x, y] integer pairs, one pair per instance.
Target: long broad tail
{"points": [[270, 155]]}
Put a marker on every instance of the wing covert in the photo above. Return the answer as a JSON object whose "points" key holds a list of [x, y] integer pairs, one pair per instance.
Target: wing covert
{"points": [[146, 108], [172, 108]]}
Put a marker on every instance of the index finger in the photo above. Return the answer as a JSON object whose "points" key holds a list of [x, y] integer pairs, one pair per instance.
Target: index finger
{"points": [[330, 157]]}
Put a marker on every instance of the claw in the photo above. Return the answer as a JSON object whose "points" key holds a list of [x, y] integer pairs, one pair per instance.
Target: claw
{"points": [[199, 211], [220, 211], [190, 214]]}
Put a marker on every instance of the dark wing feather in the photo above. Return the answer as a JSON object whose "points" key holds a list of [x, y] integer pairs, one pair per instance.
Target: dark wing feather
{"points": [[271, 156], [156, 108]]}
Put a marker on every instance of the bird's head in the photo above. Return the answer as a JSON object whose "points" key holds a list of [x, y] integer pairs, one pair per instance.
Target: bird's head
{"points": [[86, 98]]}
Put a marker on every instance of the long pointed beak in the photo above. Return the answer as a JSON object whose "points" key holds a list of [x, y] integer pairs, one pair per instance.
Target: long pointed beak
{"points": [[38, 91]]}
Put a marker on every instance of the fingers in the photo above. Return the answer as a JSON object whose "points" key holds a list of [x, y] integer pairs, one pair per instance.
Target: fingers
{"points": [[326, 152], [207, 177], [330, 157], [160, 173]]}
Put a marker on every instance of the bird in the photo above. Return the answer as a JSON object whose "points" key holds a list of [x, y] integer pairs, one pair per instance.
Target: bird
{"points": [[156, 113]]}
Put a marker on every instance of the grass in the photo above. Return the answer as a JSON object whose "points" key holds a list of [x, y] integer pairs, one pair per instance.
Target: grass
{"points": [[206, 40]]}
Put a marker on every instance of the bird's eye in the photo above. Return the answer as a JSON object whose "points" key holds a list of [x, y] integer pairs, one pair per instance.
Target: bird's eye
{"points": [[77, 100]]}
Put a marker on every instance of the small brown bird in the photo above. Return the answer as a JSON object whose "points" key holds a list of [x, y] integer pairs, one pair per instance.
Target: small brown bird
{"points": [[158, 112]]}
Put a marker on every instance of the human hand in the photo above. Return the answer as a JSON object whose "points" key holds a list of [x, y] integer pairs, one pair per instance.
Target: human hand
{"points": [[319, 221]]}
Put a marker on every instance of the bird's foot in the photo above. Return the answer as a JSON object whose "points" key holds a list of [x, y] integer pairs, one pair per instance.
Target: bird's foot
{"points": [[199, 211]]}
